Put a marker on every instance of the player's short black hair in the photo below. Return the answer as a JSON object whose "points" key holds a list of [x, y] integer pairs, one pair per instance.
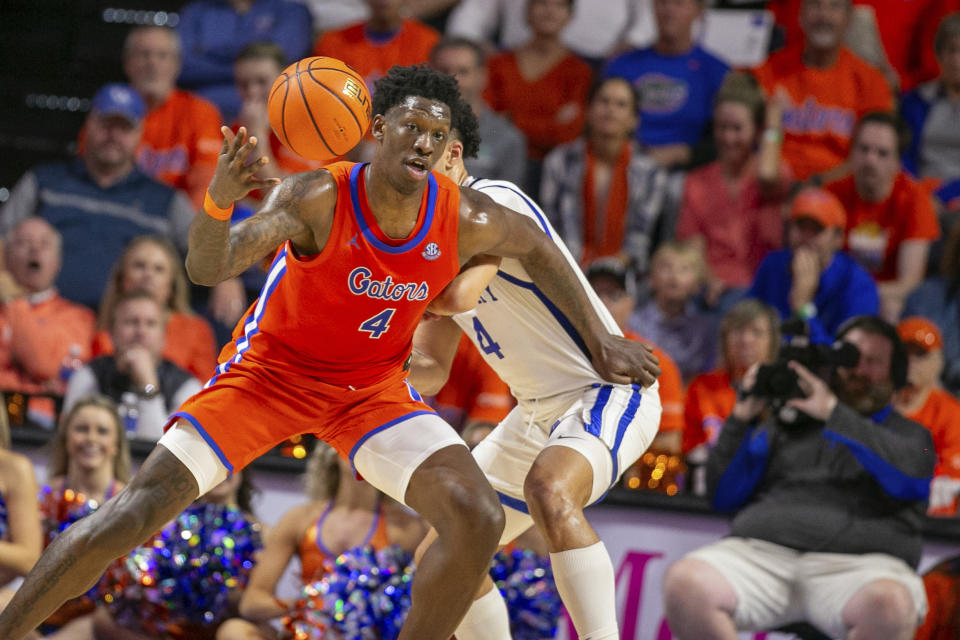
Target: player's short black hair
{"points": [[466, 128], [420, 80]]}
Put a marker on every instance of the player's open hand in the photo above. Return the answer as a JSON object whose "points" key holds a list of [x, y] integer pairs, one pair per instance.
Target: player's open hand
{"points": [[627, 361], [235, 176]]}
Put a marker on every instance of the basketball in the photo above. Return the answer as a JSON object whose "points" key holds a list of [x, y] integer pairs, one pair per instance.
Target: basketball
{"points": [[319, 108]]}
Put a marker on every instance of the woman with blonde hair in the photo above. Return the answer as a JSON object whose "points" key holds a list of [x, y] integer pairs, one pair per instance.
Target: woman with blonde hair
{"points": [[152, 263], [749, 335], [343, 513], [20, 536], [89, 463]]}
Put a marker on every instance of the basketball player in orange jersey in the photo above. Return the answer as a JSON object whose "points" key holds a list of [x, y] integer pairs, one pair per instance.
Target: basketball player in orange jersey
{"points": [[364, 249]]}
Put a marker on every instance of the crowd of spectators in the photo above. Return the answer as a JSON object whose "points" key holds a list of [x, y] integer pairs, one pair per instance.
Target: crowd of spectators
{"points": [[707, 206]]}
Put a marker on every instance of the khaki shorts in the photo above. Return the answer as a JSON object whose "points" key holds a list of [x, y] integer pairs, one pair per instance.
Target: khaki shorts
{"points": [[776, 585]]}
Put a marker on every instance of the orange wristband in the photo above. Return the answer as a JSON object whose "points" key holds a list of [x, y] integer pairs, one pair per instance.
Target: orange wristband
{"points": [[211, 209]]}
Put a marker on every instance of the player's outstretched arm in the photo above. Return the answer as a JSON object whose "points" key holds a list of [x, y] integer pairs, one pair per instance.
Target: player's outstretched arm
{"points": [[434, 347], [299, 209], [489, 228]]}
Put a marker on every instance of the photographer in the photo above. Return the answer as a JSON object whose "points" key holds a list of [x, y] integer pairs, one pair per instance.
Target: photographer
{"points": [[830, 507]]}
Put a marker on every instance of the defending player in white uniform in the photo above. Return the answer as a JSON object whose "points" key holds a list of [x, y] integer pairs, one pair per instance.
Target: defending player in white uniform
{"points": [[571, 435]]}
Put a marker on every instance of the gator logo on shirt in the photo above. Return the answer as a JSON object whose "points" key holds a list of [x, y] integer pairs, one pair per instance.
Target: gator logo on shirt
{"points": [[154, 162], [662, 94], [361, 283]]}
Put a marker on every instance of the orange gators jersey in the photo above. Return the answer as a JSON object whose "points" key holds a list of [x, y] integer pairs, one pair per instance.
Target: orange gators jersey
{"points": [[371, 54], [346, 316], [824, 106]]}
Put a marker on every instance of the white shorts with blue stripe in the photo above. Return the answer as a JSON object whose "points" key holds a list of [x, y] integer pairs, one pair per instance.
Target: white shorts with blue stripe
{"points": [[611, 425]]}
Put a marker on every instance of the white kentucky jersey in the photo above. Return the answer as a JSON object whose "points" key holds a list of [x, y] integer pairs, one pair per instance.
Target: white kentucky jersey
{"points": [[527, 340]]}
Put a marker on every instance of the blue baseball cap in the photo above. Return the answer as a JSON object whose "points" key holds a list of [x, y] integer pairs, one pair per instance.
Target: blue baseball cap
{"points": [[119, 100]]}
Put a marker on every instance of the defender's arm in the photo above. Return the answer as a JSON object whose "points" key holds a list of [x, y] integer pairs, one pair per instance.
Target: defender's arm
{"points": [[434, 347], [489, 228], [465, 290]]}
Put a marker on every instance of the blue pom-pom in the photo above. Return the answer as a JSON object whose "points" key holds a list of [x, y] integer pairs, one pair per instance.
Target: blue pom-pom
{"points": [[363, 595], [526, 582], [4, 526], [185, 575]]}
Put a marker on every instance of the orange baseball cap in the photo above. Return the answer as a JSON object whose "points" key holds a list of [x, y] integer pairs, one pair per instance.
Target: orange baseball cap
{"points": [[920, 332], [821, 206]]}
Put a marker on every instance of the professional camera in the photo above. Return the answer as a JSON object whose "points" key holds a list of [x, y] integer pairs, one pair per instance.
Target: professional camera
{"points": [[778, 383]]}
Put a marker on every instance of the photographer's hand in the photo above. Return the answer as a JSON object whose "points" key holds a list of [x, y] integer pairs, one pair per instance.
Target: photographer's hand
{"points": [[748, 406], [820, 401]]}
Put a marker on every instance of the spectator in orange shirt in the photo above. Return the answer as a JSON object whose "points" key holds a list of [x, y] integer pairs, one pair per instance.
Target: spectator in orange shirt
{"points": [[181, 131], [541, 86], [474, 393], [181, 136], [890, 218], [829, 89], [384, 40], [256, 68], [902, 29], [615, 285], [150, 263], [42, 335], [749, 334], [923, 401]]}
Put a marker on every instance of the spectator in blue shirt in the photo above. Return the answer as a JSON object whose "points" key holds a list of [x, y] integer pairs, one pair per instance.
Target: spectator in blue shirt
{"points": [[100, 201], [930, 110], [677, 80], [671, 318], [213, 32], [812, 277]]}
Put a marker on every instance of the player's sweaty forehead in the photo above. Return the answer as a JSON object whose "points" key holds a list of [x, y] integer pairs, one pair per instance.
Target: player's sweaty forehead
{"points": [[425, 106]]}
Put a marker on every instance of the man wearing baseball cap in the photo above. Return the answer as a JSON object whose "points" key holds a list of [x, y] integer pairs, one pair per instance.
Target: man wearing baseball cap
{"points": [[923, 401], [812, 278], [99, 201], [118, 100]]}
